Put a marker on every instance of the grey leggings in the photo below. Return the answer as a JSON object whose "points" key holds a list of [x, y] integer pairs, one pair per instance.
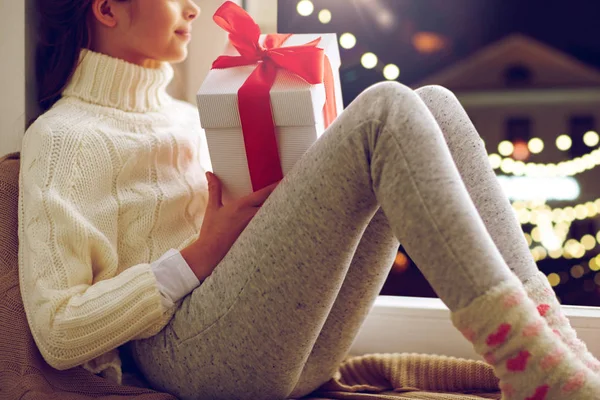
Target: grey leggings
{"points": [[280, 311]]}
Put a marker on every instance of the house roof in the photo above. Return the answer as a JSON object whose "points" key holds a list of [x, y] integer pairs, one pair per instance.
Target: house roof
{"points": [[485, 69]]}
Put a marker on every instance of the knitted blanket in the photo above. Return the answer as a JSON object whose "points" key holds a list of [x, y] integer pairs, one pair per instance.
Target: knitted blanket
{"points": [[25, 374]]}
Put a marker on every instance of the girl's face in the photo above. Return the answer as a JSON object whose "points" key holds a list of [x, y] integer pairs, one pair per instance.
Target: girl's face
{"points": [[148, 30]]}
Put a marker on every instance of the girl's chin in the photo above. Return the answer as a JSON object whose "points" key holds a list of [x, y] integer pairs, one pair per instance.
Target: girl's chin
{"points": [[176, 56]]}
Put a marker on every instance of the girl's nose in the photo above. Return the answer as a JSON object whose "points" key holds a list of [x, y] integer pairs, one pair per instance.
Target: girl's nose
{"points": [[192, 11]]}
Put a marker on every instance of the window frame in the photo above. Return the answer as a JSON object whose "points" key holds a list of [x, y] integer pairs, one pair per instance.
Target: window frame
{"points": [[13, 78], [397, 324]]}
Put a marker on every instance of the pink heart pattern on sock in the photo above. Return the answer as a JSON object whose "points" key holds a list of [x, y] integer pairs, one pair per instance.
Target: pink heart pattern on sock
{"points": [[574, 383], [552, 359], [529, 356], [543, 309], [513, 299], [499, 336], [540, 393], [534, 328], [518, 363]]}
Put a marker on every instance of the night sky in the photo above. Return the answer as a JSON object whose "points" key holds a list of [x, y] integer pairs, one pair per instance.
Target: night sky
{"points": [[572, 26]]}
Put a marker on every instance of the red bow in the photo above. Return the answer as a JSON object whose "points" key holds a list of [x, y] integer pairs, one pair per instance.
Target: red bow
{"points": [[254, 100]]}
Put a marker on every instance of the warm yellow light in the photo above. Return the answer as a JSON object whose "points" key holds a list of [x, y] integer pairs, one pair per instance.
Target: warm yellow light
{"points": [[595, 264], [523, 216], [557, 216], [506, 148], [347, 40], [541, 252], [536, 145], [571, 246], [495, 160], [579, 251], [369, 60], [562, 228], [557, 253], [305, 8], [391, 72], [325, 16], [519, 168], [428, 42], [581, 212], [588, 242], [528, 239], [536, 234], [592, 209], [533, 218], [569, 213], [591, 138], [554, 279], [506, 165], [564, 142]]}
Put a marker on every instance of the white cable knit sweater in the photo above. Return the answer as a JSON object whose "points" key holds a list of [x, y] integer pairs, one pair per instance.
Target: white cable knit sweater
{"points": [[111, 179]]}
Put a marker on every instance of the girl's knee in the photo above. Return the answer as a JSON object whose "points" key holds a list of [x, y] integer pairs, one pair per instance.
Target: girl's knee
{"points": [[389, 90], [431, 92], [379, 99]]}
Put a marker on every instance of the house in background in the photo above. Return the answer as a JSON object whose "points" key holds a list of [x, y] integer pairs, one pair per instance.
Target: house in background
{"points": [[537, 110]]}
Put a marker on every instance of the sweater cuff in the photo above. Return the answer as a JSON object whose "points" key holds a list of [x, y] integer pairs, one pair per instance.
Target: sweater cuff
{"points": [[174, 277]]}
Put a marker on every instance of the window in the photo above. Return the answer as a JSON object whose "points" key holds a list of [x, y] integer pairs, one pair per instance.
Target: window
{"points": [[403, 324], [578, 126], [517, 75]]}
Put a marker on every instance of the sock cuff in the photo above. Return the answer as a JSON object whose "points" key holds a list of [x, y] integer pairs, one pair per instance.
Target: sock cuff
{"points": [[538, 288], [491, 306], [498, 316]]}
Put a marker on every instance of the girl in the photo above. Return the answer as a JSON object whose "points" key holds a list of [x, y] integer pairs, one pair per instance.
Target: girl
{"points": [[124, 246]]}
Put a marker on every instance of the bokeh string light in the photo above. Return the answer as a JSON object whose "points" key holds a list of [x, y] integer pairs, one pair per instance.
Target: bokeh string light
{"points": [[531, 212], [536, 145], [551, 226], [572, 167], [348, 40]]}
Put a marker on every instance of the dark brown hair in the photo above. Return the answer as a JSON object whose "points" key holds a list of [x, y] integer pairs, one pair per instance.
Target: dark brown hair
{"points": [[63, 30]]}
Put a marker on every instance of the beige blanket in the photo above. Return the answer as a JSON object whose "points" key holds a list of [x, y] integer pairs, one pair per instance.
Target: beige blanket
{"points": [[25, 374]]}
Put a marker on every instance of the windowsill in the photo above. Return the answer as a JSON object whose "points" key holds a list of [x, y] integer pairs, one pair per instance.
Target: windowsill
{"points": [[422, 325]]}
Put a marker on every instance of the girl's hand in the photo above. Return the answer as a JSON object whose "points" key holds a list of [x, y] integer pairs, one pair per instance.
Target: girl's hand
{"points": [[221, 226]]}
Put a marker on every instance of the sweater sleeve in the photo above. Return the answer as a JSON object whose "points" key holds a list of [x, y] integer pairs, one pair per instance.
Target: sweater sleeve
{"points": [[77, 305]]}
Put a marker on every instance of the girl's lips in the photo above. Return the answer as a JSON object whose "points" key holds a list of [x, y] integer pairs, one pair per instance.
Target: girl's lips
{"points": [[184, 34]]}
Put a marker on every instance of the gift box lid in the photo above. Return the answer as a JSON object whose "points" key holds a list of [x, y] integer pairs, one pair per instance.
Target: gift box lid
{"points": [[294, 102]]}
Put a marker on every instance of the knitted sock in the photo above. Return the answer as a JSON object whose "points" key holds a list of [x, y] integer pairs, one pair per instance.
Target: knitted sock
{"points": [[530, 360], [539, 290]]}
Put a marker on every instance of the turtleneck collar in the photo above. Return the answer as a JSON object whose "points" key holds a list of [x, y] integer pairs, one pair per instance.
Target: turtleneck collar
{"points": [[111, 82]]}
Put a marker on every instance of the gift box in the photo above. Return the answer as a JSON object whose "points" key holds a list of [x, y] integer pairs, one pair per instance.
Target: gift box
{"points": [[297, 108]]}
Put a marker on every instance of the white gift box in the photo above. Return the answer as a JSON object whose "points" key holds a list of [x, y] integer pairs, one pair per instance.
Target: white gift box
{"points": [[297, 108]]}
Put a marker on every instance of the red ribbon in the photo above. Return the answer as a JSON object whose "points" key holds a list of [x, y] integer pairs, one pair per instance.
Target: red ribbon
{"points": [[307, 61]]}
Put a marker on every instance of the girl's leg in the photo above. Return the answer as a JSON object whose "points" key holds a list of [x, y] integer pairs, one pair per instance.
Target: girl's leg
{"points": [[248, 330], [471, 160], [368, 271]]}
